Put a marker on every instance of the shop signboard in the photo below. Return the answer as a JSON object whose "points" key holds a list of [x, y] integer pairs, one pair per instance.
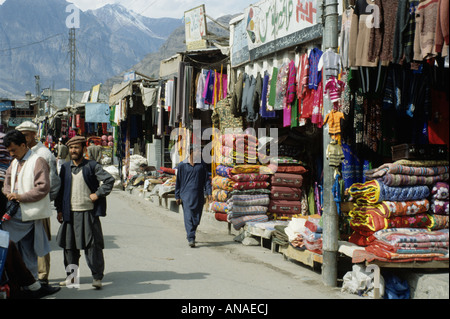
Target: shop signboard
{"points": [[6, 106], [195, 28], [239, 52], [274, 25], [16, 121], [97, 113]]}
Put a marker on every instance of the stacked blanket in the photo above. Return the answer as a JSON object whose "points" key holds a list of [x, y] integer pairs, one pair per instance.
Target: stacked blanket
{"points": [[380, 207], [238, 149], [396, 174], [222, 185], [410, 244], [247, 208]]}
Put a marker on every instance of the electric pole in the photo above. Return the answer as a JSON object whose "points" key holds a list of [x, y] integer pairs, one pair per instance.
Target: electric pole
{"points": [[73, 51], [329, 217]]}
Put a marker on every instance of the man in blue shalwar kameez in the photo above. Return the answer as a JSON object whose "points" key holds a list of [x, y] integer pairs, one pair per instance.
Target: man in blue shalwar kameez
{"points": [[191, 185]]}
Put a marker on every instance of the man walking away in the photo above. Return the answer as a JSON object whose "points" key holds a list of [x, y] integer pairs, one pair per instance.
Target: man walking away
{"points": [[80, 204], [95, 152], [191, 185], [29, 129]]}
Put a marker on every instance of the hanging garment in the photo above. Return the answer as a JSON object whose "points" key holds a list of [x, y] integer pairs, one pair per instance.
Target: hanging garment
{"points": [[281, 87], [347, 17], [272, 90], [334, 89], [264, 98], [330, 64], [425, 34], [302, 76], [317, 116], [361, 31], [315, 75], [236, 100], [291, 87], [200, 100]]}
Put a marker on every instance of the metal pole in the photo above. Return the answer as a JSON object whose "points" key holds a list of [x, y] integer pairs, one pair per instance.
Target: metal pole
{"points": [[329, 215]]}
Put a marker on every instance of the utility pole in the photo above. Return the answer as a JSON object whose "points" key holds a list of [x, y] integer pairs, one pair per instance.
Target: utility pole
{"points": [[73, 51], [37, 81], [329, 216]]}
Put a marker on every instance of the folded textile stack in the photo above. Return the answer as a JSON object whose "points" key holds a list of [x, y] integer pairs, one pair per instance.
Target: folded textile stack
{"points": [[238, 149], [248, 194], [379, 206], [222, 185], [247, 208], [410, 244], [394, 174], [5, 159], [286, 192], [312, 235]]}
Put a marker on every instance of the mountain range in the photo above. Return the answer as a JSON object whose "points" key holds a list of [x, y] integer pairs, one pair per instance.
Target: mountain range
{"points": [[34, 40]]}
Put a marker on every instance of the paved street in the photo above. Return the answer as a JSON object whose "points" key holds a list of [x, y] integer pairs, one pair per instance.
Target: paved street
{"points": [[147, 257]]}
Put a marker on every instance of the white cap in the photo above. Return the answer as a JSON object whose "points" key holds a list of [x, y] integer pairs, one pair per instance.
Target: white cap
{"points": [[27, 126]]}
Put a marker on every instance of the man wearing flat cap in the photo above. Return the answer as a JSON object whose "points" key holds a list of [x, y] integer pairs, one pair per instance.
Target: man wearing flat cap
{"points": [[29, 129], [80, 204]]}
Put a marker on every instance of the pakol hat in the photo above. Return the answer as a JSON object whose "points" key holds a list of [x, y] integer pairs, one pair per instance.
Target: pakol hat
{"points": [[76, 140], [27, 126]]}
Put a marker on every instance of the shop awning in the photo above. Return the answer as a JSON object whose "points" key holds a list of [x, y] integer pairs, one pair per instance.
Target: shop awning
{"points": [[119, 91]]}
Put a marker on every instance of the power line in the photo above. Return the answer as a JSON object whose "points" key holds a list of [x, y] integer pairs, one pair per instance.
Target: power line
{"points": [[30, 44]]}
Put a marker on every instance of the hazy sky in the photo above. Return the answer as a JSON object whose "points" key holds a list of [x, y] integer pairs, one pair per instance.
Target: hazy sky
{"points": [[169, 8]]}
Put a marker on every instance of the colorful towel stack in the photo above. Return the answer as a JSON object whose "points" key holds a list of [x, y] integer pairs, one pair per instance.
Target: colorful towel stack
{"points": [[5, 159]]}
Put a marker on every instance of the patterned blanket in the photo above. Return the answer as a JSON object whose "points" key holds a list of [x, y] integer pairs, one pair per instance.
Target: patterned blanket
{"points": [[237, 211], [249, 177], [370, 219], [220, 207], [223, 171], [224, 183], [375, 191], [249, 200], [220, 195], [395, 236], [250, 185]]}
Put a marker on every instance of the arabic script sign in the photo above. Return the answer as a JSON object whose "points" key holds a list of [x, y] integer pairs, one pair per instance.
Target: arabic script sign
{"points": [[269, 20]]}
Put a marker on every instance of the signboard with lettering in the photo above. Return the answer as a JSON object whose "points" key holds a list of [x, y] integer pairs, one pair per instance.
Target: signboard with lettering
{"points": [[195, 28], [274, 25]]}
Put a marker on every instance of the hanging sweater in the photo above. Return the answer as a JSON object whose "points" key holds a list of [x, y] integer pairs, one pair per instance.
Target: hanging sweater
{"points": [[424, 39], [442, 25]]}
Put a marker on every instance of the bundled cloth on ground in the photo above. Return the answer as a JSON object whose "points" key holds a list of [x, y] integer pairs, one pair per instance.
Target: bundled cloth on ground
{"points": [[312, 235]]}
